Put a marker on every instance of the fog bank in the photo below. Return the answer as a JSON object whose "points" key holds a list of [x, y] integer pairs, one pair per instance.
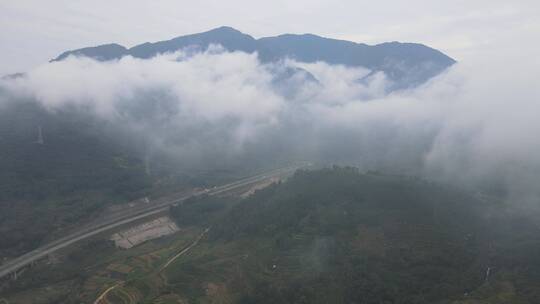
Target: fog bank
{"points": [[475, 124]]}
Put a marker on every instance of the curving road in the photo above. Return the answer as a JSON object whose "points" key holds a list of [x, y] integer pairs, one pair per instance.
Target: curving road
{"points": [[130, 216]]}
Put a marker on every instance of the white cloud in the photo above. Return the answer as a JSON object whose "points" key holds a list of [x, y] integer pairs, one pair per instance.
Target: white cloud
{"points": [[475, 123]]}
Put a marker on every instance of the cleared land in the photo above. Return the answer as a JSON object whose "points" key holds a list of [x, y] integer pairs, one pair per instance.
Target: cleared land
{"points": [[147, 231]]}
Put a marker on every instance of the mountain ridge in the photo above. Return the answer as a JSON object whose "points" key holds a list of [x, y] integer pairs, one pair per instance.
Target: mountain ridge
{"points": [[406, 64]]}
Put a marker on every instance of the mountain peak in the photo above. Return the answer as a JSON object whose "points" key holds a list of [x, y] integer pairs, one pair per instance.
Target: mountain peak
{"points": [[226, 29], [101, 52], [406, 64]]}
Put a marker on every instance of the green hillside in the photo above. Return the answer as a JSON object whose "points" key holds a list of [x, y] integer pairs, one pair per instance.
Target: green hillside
{"points": [[76, 169], [326, 236], [79, 164], [338, 236]]}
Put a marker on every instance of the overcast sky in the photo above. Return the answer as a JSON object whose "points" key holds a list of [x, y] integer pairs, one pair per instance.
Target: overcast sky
{"points": [[32, 32]]}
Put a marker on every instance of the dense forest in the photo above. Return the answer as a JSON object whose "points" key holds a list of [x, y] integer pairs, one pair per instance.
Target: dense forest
{"points": [[339, 236], [333, 235]]}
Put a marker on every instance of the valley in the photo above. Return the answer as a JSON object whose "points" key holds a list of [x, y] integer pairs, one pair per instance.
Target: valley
{"points": [[330, 235], [240, 152]]}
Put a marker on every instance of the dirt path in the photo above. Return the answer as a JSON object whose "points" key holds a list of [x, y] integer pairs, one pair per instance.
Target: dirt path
{"points": [[185, 250], [104, 294], [101, 298]]}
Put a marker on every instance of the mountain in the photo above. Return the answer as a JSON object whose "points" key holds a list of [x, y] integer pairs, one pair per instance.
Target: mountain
{"points": [[61, 168], [340, 236], [227, 37], [103, 52], [407, 64]]}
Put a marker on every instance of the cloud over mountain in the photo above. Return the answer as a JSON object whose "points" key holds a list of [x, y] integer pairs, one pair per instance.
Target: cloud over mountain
{"points": [[464, 126], [406, 64]]}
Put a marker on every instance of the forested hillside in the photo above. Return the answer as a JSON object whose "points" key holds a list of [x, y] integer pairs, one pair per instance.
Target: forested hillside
{"points": [[56, 178], [63, 166], [326, 236], [338, 236]]}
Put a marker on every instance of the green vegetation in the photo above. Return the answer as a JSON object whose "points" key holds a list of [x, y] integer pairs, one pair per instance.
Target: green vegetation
{"points": [[78, 169], [87, 269], [327, 236], [202, 210], [338, 236], [83, 164]]}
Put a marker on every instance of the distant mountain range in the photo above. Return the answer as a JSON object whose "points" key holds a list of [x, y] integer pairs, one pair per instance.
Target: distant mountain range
{"points": [[407, 64]]}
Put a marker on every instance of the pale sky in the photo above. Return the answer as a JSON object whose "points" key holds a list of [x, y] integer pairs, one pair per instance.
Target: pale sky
{"points": [[34, 31]]}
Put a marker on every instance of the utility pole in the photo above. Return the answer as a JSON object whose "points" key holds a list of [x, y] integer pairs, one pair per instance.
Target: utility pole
{"points": [[488, 271], [40, 136], [147, 164]]}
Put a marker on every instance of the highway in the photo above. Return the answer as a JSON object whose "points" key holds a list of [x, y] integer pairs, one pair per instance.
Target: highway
{"points": [[130, 216]]}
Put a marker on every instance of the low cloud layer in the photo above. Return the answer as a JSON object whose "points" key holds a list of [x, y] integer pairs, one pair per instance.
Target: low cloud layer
{"points": [[475, 124]]}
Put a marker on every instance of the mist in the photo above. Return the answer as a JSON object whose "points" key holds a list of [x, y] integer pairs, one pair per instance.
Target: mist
{"points": [[473, 125]]}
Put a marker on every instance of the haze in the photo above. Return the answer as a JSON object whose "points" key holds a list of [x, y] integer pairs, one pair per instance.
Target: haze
{"points": [[279, 152]]}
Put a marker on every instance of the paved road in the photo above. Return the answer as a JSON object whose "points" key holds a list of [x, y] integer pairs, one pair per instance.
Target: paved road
{"points": [[131, 216]]}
